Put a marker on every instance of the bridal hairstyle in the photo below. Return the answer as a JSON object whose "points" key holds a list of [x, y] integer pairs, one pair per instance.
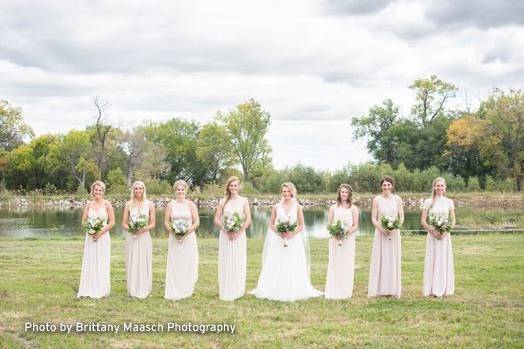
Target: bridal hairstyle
{"points": [[181, 182], [132, 196], [228, 183], [434, 190], [291, 188], [388, 179], [100, 184], [350, 194]]}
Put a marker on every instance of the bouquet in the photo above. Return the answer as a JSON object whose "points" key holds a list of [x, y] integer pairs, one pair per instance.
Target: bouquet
{"points": [[180, 228], [389, 223], [338, 230], [94, 225], [137, 222], [439, 223], [233, 223], [284, 226]]}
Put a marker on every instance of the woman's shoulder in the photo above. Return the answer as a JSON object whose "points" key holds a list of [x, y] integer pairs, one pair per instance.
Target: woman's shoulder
{"points": [[107, 204], [449, 202], [427, 203]]}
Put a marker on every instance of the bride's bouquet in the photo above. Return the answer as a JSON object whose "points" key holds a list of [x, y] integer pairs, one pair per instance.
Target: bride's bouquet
{"points": [[137, 222], [439, 223], [233, 223], [339, 229], [389, 223], [180, 228], [284, 226], [94, 225]]}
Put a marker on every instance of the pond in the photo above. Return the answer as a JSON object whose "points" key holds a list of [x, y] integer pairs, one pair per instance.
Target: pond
{"points": [[44, 223], [57, 222]]}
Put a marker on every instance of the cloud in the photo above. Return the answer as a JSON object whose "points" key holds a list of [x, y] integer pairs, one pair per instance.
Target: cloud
{"points": [[355, 7], [312, 65], [481, 13]]}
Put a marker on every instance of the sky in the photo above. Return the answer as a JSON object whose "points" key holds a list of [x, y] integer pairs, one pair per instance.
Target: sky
{"points": [[313, 64]]}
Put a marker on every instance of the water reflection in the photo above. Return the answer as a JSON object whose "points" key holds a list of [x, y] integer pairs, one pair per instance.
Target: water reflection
{"points": [[67, 222]]}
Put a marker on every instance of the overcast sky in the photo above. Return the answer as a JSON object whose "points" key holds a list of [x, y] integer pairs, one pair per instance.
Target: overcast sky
{"points": [[312, 64]]}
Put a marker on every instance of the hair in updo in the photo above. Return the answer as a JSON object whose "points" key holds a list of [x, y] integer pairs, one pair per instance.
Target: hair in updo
{"points": [[388, 179], [291, 188], [181, 182], [100, 184]]}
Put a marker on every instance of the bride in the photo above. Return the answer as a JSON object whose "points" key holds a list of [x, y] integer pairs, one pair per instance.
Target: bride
{"points": [[285, 272]]}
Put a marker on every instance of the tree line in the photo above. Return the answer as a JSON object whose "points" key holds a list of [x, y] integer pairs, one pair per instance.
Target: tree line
{"points": [[474, 150]]}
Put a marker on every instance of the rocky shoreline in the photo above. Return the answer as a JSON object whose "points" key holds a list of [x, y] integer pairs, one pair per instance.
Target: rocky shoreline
{"points": [[410, 202]]}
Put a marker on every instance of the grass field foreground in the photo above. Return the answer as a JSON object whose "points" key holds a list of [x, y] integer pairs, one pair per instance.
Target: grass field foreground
{"points": [[39, 280]]}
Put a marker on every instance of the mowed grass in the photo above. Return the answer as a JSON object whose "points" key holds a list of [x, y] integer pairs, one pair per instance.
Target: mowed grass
{"points": [[39, 280]]}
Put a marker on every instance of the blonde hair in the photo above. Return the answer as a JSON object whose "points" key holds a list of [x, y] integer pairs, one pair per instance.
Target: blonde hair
{"points": [[350, 194], [144, 195], [100, 184], [228, 183], [434, 191], [181, 182], [291, 188]]}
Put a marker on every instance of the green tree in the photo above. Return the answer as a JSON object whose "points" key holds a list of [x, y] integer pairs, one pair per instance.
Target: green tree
{"points": [[74, 151], [13, 129], [246, 127], [214, 151], [143, 158], [501, 141], [179, 140], [462, 149], [431, 97], [376, 127]]}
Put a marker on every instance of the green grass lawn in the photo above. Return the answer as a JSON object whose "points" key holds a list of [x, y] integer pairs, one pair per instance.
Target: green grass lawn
{"points": [[39, 280]]}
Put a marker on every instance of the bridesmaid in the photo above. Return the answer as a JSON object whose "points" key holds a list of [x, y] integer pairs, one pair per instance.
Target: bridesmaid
{"points": [[341, 265], [232, 245], [439, 277], [384, 270], [182, 255], [95, 276], [138, 246]]}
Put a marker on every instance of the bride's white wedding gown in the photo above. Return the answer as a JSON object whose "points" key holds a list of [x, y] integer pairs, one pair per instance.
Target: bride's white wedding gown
{"points": [[285, 272]]}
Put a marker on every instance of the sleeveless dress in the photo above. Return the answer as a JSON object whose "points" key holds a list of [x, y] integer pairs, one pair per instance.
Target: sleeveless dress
{"points": [[384, 270], [232, 257], [138, 258], [439, 276], [95, 279], [341, 265], [182, 258], [285, 275]]}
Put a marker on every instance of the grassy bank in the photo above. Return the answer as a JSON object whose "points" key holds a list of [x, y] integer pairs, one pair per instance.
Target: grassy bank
{"points": [[40, 279]]}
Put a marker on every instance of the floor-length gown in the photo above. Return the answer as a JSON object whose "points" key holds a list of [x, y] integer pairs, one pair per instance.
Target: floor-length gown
{"points": [[439, 275], [182, 257], [384, 270], [341, 265], [138, 258], [95, 279], [285, 274], [232, 257]]}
